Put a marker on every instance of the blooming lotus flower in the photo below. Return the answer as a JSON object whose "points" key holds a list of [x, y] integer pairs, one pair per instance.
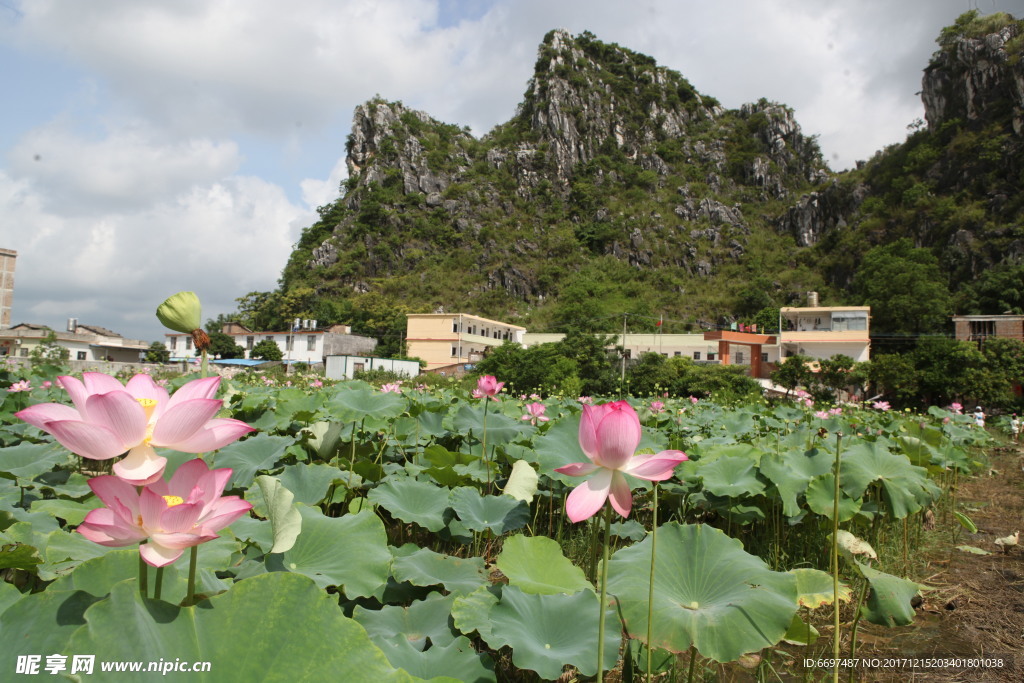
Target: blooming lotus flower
{"points": [[23, 385], [657, 407], [835, 411], [110, 419], [609, 435], [488, 386], [880, 405], [821, 414], [956, 408], [694, 400], [392, 388], [186, 511], [586, 400], [536, 413]]}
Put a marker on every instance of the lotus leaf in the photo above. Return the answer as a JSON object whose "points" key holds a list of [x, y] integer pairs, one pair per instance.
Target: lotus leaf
{"points": [[814, 588], [708, 593], [889, 602], [245, 458], [359, 402], [535, 564], [522, 483], [267, 607], [470, 612], [498, 514], [906, 488], [546, 632], [731, 476], [422, 619], [413, 502], [821, 493], [349, 551], [275, 503], [455, 661], [424, 567]]}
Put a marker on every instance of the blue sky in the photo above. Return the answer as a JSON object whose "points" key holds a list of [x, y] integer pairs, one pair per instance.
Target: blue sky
{"points": [[147, 148]]}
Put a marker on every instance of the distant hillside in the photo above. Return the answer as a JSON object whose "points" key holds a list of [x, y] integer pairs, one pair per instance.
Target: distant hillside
{"points": [[618, 188]]}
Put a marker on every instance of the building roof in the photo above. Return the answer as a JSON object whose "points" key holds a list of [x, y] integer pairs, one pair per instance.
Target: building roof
{"points": [[823, 309], [466, 315]]}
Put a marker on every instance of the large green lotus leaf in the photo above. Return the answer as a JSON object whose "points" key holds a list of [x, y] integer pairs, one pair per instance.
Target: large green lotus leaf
{"points": [[906, 488], [889, 601], [731, 476], [302, 407], [791, 471], [422, 619], [258, 631], [41, 623], [471, 612], [814, 588], [560, 446], [426, 568], [739, 422], [324, 438], [66, 484], [710, 451], [350, 552], [413, 502], [497, 513], [801, 632], [362, 402], [9, 595], [820, 495], [535, 564], [546, 632], [455, 661], [273, 500], [500, 428], [257, 531], [99, 575], [28, 460], [310, 483], [19, 556], [248, 457], [71, 511], [708, 593]]}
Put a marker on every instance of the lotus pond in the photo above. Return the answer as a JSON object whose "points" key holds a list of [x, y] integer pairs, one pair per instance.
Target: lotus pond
{"points": [[422, 534]]}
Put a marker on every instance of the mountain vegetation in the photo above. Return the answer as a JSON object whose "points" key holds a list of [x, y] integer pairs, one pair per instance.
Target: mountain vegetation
{"points": [[617, 188]]}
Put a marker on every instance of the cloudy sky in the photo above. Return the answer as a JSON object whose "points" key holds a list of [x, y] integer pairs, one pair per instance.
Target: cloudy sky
{"points": [[152, 147]]}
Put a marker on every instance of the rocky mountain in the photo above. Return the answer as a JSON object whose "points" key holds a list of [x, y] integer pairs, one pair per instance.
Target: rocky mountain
{"points": [[617, 187]]}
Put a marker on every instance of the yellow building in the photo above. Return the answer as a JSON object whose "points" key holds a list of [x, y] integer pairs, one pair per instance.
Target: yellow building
{"points": [[447, 339]]}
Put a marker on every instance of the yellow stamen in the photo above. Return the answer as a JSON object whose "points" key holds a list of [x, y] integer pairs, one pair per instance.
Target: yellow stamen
{"points": [[174, 500], [148, 404]]}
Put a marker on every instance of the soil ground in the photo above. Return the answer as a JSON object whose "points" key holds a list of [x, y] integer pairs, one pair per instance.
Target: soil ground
{"points": [[975, 605]]}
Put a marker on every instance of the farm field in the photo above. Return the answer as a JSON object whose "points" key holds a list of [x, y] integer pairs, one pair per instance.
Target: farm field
{"points": [[423, 533]]}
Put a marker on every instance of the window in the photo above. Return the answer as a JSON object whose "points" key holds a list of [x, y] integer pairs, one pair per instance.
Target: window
{"points": [[24, 352], [311, 342], [270, 337], [173, 341], [455, 351], [982, 328], [739, 357], [81, 354], [358, 367], [696, 355], [188, 343], [678, 353], [764, 357], [249, 343], [711, 356], [289, 342], [455, 326]]}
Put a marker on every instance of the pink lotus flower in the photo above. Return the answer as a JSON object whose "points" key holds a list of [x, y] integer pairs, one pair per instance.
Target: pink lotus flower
{"points": [[392, 388], [536, 412], [657, 407], [956, 408], [110, 419], [835, 411], [23, 385], [47, 384], [488, 386], [316, 384], [534, 397], [186, 511], [821, 414], [609, 435], [694, 399], [880, 405], [585, 400]]}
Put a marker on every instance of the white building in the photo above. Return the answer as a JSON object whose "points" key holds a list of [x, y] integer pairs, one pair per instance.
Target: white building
{"points": [[304, 345]]}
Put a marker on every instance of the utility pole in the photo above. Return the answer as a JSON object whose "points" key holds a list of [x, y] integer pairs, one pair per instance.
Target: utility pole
{"points": [[622, 378]]}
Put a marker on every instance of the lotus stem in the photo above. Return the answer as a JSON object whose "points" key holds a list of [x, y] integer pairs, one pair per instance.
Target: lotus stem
{"points": [[159, 583], [650, 590], [483, 442], [856, 621], [693, 663], [193, 560], [835, 562], [143, 577], [604, 596], [204, 368]]}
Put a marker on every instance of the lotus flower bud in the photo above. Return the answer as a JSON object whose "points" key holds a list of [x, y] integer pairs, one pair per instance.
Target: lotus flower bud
{"points": [[182, 312]]}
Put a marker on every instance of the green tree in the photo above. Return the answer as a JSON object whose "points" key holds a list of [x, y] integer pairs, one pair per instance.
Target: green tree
{"points": [[157, 353], [266, 350], [792, 373], [48, 351], [905, 288], [224, 345], [997, 290], [836, 374], [893, 376]]}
